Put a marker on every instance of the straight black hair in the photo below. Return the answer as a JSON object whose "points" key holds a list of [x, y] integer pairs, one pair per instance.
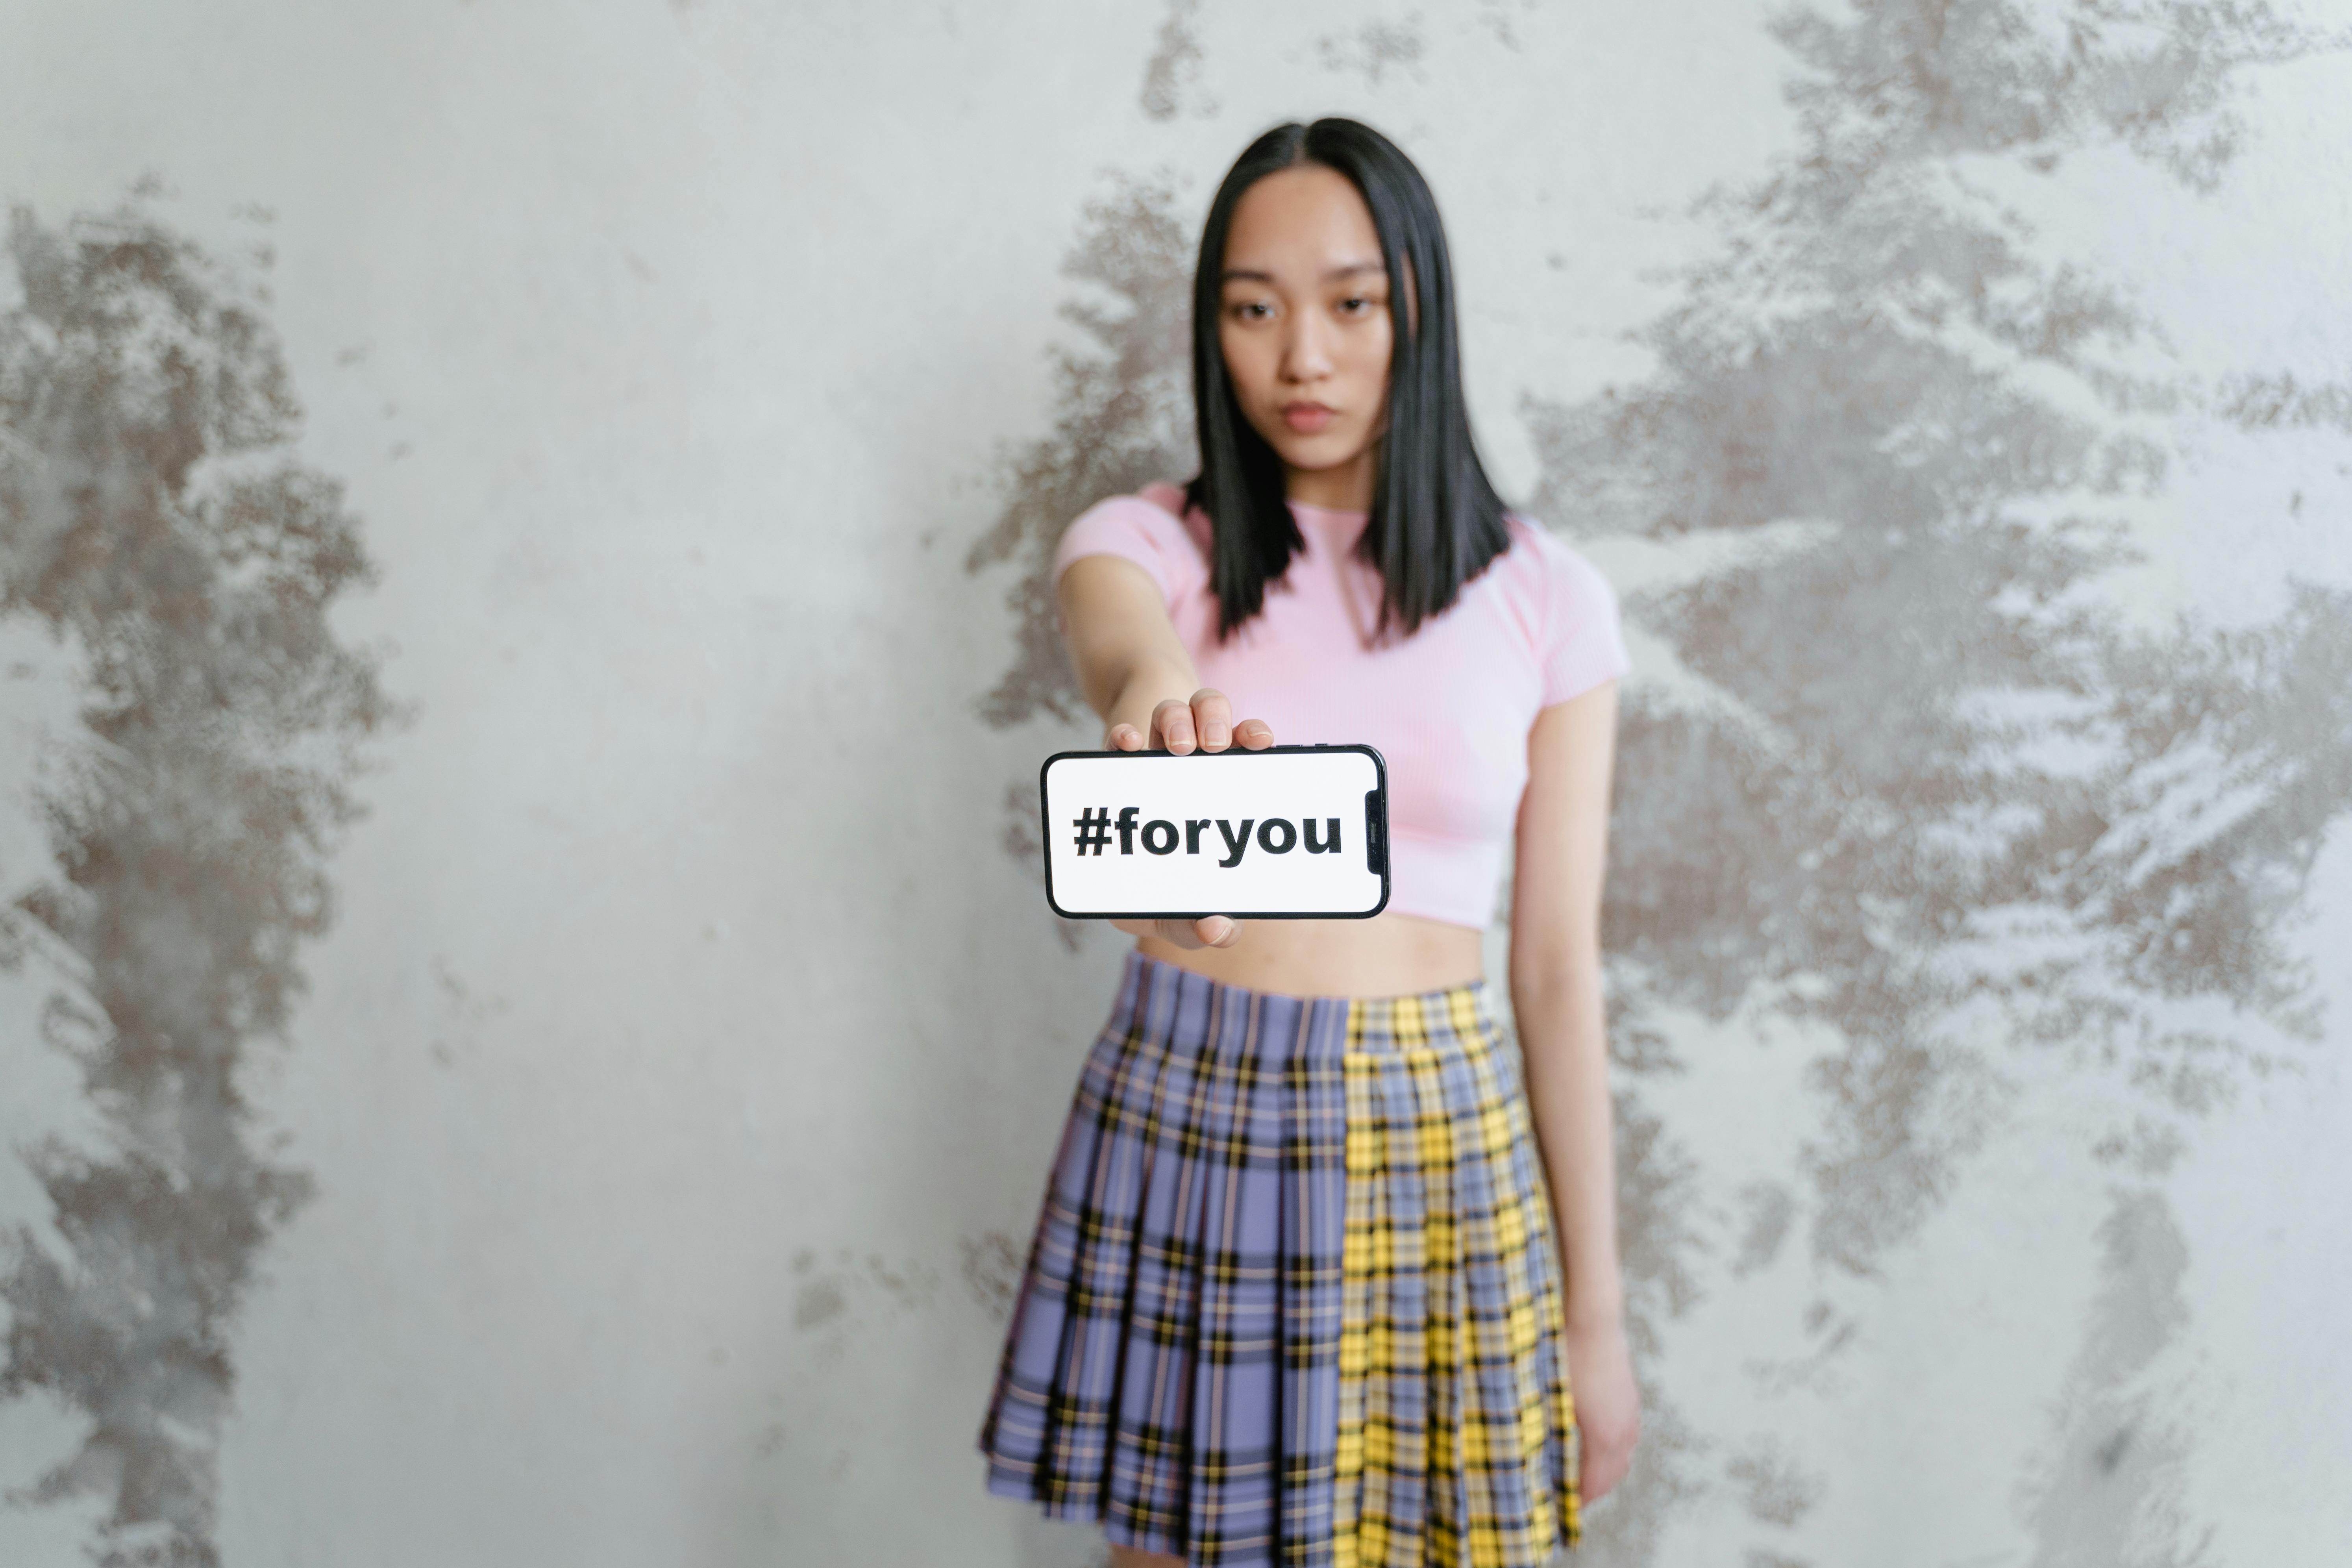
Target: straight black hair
{"points": [[1436, 519]]}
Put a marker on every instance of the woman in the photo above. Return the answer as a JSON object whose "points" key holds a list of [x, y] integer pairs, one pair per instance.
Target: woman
{"points": [[1319, 1265]]}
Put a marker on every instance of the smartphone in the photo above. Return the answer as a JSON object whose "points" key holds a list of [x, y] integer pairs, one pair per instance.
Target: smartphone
{"points": [[1288, 833]]}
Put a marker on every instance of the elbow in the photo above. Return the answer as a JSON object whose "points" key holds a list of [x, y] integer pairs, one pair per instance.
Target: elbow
{"points": [[1555, 970]]}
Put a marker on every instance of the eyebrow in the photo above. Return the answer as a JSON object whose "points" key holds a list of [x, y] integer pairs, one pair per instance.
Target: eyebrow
{"points": [[1245, 274]]}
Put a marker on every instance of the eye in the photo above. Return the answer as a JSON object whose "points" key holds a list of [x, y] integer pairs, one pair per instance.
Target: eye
{"points": [[1250, 309]]}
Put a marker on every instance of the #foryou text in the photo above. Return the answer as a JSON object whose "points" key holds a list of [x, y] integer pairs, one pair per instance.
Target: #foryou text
{"points": [[1275, 834]]}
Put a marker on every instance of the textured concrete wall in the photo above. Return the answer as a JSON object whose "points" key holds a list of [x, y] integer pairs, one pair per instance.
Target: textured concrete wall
{"points": [[528, 1030]]}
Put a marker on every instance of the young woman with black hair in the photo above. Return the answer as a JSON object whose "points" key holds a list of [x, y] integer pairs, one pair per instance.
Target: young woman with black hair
{"points": [[1323, 1276]]}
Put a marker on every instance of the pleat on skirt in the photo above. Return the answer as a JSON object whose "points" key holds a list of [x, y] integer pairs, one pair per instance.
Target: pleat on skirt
{"points": [[1293, 1295]]}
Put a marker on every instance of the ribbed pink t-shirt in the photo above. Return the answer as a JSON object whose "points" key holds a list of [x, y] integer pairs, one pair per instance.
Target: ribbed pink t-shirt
{"points": [[1449, 707]]}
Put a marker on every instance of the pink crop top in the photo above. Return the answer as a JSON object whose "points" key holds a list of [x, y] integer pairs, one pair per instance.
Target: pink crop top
{"points": [[1449, 707]]}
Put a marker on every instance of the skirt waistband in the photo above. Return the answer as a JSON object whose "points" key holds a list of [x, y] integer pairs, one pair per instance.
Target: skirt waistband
{"points": [[1179, 1007]]}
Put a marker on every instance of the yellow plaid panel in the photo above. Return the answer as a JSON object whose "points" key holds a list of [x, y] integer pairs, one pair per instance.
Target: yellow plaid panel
{"points": [[1457, 1441]]}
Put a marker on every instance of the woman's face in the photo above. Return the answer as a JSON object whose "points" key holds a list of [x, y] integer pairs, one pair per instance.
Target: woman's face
{"points": [[1304, 321]]}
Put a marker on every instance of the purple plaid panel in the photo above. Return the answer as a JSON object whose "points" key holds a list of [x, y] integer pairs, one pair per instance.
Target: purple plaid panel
{"points": [[1171, 1368]]}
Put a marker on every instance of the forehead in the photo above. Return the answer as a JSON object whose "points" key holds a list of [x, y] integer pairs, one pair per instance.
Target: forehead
{"points": [[1301, 221]]}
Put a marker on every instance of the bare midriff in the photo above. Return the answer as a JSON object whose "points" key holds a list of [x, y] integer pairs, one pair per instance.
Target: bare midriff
{"points": [[1387, 955]]}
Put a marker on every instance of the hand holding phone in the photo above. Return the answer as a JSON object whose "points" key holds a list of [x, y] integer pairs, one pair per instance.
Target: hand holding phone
{"points": [[1204, 721], [1172, 833], [1277, 833], [1181, 726]]}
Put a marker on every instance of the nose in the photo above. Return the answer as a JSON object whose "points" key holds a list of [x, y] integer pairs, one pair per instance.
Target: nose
{"points": [[1306, 350]]}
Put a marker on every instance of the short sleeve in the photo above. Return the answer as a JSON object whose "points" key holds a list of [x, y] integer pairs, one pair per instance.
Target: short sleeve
{"points": [[1133, 529], [1583, 641]]}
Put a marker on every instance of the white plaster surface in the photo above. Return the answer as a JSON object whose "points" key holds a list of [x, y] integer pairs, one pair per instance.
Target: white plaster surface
{"points": [[683, 1022]]}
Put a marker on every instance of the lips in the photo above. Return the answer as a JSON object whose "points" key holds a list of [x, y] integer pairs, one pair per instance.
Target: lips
{"points": [[1308, 417]]}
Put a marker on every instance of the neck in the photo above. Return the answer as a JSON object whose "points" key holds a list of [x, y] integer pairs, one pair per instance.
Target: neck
{"points": [[1343, 487]]}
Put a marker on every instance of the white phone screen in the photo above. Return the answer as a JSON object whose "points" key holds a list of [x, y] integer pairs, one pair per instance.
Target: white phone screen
{"points": [[1294, 831]]}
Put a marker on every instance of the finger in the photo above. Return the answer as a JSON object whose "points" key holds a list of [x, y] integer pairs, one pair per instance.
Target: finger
{"points": [[1254, 734], [1125, 738], [1598, 1467], [1214, 715], [1177, 933], [1172, 722], [1217, 931], [1613, 1470]]}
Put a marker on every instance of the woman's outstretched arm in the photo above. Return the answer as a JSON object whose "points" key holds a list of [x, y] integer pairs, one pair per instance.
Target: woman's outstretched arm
{"points": [[1556, 995], [1134, 671]]}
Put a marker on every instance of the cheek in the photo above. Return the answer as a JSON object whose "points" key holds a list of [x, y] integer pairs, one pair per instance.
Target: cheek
{"points": [[1373, 347], [1247, 364]]}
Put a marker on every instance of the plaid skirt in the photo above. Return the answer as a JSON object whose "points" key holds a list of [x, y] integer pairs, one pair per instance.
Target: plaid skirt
{"points": [[1294, 1296]]}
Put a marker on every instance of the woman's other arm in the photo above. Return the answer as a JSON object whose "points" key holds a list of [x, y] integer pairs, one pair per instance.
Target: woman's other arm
{"points": [[1134, 671], [1556, 995]]}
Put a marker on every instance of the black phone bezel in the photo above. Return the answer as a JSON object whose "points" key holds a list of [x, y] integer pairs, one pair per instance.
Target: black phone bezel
{"points": [[1376, 833]]}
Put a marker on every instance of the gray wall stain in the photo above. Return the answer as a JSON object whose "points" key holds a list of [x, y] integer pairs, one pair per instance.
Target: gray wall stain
{"points": [[460, 1016], [1860, 815], [1857, 826], [1373, 48], [1174, 72], [818, 1302], [2283, 402], [1771, 1208], [851, 1288], [1122, 418], [2110, 1491], [152, 510], [993, 1264], [1895, 83], [1774, 1488], [1497, 16]]}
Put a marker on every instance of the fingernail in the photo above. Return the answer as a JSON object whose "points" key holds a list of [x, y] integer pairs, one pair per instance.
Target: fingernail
{"points": [[1216, 735]]}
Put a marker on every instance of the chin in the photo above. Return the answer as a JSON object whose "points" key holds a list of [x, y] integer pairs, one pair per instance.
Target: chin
{"points": [[1316, 453]]}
